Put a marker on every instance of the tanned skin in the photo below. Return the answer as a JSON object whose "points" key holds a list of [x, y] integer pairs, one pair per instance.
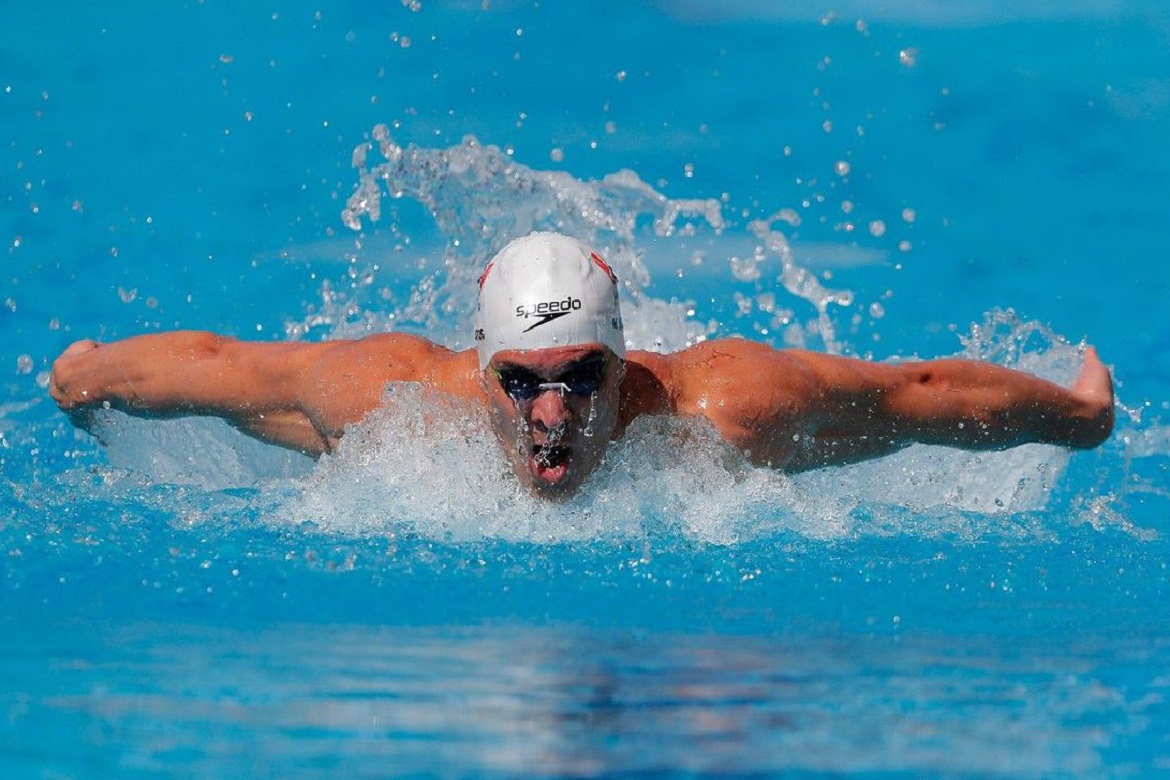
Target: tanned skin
{"points": [[787, 409]]}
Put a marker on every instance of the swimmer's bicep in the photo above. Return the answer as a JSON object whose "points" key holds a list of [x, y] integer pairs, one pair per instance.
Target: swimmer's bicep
{"points": [[307, 394], [299, 396], [293, 430], [336, 384]]}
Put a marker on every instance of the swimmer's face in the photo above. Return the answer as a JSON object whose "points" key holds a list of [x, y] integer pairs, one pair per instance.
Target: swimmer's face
{"points": [[554, 411]]}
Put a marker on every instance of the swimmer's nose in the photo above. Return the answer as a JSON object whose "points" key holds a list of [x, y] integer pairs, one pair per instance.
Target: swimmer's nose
{"points": [[549, 412]]}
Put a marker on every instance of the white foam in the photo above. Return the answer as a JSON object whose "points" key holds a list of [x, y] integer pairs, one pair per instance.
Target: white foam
{"points": [[429, 465], [202, 451]]}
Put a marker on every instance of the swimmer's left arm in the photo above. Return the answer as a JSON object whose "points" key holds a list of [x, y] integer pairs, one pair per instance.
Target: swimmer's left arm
{"points": [[867, 409]]}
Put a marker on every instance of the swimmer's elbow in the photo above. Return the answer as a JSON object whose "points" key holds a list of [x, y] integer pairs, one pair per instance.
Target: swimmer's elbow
{"points": [[200, 346]]}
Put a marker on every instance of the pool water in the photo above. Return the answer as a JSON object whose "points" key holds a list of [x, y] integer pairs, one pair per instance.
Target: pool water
{"points": [[892, 181]]}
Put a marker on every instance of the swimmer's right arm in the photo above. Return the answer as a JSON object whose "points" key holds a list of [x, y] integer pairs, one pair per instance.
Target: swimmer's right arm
{"points": [[297, 395]]}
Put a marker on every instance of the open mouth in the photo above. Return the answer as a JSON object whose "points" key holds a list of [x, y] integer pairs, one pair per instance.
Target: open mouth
{"points": [[551, 461]]}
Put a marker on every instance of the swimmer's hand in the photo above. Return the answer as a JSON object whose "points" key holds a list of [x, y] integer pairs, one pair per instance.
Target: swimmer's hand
{"points": [[68, 387], [1093, 390], [67, 383]]}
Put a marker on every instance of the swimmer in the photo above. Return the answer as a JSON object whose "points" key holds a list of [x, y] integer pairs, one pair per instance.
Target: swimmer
{"points": [[551, 367]]}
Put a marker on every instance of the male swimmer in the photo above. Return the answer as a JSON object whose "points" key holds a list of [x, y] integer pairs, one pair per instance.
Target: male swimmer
{"points": [[551, 366]]}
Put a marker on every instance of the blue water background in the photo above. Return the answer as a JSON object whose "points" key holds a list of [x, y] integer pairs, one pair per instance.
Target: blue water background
{"points": [[185, 165]]}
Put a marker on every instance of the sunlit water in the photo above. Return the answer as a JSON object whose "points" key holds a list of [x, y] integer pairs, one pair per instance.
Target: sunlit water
{"points": [[183, 600]]}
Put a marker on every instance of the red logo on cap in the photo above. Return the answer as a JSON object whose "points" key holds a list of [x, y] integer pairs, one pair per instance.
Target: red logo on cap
{"points": [[486, 271], [603, 266]]}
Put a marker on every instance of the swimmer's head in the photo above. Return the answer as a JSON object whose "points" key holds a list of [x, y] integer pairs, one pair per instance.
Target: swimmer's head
{"points": [[551, 347], [545, 291]]}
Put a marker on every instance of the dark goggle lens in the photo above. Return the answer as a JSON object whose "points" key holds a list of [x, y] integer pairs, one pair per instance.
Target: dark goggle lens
{"points": [[519, 384], [584, 379], [523, 385]]}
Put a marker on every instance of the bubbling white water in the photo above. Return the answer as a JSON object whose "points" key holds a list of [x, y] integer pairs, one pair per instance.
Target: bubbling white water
{"points": [[430, 466]]}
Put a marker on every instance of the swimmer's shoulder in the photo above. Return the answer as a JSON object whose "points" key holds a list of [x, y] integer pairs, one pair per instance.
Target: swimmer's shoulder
{"points": [[675, 382], [713, 373], [405, 357], [702, 359], [399, 357]]}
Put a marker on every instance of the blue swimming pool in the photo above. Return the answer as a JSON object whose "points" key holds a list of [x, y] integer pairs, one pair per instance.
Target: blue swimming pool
{"points": [[899, 180]]}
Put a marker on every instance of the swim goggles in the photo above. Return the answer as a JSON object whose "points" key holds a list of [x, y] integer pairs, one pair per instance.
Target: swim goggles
{"points": [[583, 379]]}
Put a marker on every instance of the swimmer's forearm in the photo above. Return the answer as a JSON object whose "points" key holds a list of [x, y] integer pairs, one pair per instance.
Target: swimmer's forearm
{"points": [[165, 373], [295, 394], [959, 403], [249, 385], [977, 405]]}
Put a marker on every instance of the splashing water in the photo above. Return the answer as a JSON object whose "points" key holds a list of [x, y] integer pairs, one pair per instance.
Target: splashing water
{"points": [[799, 281], [480, 199], [430, 467]]}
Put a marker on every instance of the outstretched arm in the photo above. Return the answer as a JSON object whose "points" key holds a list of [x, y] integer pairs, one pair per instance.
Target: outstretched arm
{"points": [[867, 409], [800, 410], [297, 395]]}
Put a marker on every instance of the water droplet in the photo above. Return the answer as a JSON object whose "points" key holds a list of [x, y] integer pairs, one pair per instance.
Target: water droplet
{"points": [[24, 364], [557, 155], [877, 228], [842, 168], [908, 57]]}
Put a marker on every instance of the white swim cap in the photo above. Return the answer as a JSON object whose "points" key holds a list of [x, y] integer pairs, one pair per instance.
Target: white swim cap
{"points": [[547, 290]]}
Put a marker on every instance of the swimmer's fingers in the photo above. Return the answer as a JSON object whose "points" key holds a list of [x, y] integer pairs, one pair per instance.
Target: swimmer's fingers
{"points": [[62, 378]]}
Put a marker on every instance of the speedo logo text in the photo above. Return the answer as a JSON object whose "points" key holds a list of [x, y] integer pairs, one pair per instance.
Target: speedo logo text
{"points": [[547, 311]]}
